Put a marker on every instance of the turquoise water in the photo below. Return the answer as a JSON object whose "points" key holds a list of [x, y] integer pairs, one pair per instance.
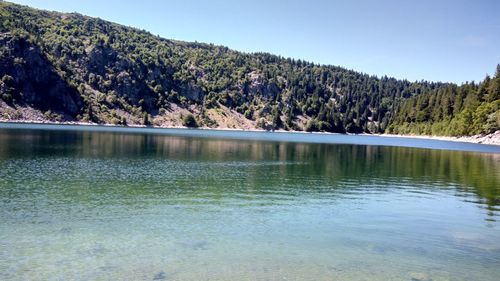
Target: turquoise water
{"points": [[100, 203]]}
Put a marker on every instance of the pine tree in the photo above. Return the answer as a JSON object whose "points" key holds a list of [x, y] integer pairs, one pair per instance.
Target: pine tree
{"points": [[145, 119], [494, 93], [277, 123]]}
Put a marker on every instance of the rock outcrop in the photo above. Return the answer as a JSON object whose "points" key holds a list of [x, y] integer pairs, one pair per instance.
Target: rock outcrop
{"points": [[29, 79]]}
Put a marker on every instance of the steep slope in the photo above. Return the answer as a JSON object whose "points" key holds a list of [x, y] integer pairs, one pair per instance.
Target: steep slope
{"points": [[28, 78], [109, 73]]}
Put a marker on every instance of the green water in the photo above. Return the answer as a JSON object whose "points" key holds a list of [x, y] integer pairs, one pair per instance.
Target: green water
{"points": [[107, 204]]}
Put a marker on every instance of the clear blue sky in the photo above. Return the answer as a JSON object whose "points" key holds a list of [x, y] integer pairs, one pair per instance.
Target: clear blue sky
{"points": [[447, 40]]}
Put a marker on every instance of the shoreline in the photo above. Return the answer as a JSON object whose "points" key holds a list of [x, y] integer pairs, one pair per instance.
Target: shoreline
{"points": [[490, 139]]}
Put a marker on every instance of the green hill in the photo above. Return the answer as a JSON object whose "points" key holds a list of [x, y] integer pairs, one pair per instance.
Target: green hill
{"points": [[69, 67]]}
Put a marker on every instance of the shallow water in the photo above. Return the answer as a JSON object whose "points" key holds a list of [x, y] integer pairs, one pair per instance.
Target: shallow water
{"points": [[115, 204]]}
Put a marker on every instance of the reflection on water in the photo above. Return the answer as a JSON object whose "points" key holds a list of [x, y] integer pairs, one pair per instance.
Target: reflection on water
{"points": [[86, 205]]}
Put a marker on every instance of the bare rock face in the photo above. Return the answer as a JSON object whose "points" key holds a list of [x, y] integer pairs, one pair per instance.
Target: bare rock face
{"points": [[32, 79], [193, 92], [129, 81], [259, 86], [99, 58]]}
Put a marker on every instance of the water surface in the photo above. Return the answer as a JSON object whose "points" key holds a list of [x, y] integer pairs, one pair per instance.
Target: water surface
{"points": [[115, 204]]}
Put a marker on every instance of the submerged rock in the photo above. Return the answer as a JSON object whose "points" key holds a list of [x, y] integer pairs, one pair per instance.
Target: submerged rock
{"points": [[66, 230], [160, 276]]}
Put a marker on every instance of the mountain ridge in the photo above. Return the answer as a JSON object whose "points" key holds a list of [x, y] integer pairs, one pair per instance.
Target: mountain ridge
{"points": [[70, 67]]}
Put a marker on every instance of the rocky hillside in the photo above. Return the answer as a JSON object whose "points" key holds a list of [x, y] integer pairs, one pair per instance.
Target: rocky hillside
{"points": [[69, 67]]}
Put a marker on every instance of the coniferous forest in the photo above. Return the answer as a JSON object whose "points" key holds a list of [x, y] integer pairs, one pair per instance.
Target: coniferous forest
{"points": [[69, 67]]}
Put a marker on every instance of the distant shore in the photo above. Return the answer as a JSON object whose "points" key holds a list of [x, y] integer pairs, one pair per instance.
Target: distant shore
{"points": [[491, 139]]}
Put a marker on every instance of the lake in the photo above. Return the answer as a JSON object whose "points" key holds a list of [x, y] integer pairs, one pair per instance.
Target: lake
{"points": [[103, 203]]}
